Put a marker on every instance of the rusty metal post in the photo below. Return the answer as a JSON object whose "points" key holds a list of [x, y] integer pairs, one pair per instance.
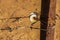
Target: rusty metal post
{"points": [[45, 4], [50, 32]]}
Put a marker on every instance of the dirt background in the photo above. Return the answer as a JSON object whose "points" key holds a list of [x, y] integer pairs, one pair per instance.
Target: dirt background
{"points": [[57, 27], [19, 8]]}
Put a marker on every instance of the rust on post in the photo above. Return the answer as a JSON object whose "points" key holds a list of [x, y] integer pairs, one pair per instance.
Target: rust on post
{"points": [[50, 31]]}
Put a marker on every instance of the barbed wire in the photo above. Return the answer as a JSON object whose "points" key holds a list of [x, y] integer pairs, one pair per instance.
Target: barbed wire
{"points": [[11, 29], [19, 27], [22, 17], [17, 18]]}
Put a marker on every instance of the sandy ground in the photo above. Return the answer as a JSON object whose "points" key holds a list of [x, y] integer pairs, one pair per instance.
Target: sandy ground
{"points": [[21, 8], [57, 27], [18, 8]]}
